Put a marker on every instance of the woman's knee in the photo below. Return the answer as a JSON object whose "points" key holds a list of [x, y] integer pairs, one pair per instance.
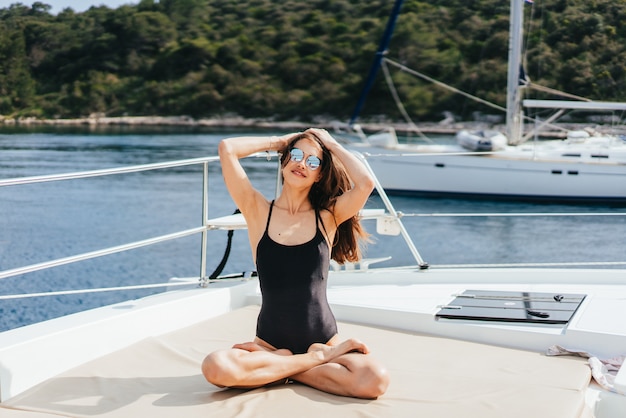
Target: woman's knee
{"points": [[215, 368], [371, 380]]}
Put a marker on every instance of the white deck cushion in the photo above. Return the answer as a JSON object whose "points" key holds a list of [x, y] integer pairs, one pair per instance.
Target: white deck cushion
{"points": [[430, 377]]}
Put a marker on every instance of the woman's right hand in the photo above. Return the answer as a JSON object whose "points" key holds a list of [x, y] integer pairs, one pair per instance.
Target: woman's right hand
{"points": [[330, 352], [280, 143]]}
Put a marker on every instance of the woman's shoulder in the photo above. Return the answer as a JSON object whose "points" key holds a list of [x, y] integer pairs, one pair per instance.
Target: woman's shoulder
{"points": [[328, 219], [256, 209]]}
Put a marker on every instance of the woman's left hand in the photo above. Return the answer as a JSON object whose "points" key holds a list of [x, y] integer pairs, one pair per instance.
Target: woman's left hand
{"points": [[326, 138]]}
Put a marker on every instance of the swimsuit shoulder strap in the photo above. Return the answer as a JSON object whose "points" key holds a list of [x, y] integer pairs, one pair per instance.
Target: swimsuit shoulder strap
{"points": [[269, 215], [318, 220]]}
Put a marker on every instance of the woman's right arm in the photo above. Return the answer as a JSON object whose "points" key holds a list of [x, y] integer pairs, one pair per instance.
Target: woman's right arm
{"points": [[231, 150]]}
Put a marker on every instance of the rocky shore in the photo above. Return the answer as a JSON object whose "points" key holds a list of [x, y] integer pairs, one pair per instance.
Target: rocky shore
{"points": [[236, 122], [218, 122]]}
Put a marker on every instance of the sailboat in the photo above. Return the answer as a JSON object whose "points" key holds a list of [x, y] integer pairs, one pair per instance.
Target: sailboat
{"points": [[584, 167]]}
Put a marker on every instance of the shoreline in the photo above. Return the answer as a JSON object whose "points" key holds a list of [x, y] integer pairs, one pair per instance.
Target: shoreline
{"points": [[236, 122], [228, 123]]}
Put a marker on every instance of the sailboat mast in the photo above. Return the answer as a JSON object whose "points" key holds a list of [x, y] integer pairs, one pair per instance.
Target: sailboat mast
{"points": [[513, 99], [382, 49]]}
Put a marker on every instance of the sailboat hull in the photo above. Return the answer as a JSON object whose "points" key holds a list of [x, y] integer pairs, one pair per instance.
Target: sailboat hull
{"points": [[516, 175]]}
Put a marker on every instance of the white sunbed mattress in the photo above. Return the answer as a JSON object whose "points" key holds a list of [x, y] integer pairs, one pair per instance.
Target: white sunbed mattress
{"points": [[430, 377]]}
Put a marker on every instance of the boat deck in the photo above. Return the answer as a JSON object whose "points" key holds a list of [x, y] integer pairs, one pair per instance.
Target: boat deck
{"points": [[142, 357], [430, 376], [411, 300]]}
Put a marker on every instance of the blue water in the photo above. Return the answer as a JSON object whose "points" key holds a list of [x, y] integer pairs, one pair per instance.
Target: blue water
{"points": [[46, 221]]}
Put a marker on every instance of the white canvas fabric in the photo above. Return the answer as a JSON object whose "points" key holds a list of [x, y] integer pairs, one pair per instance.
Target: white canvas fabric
{"points": [[430, 377]]}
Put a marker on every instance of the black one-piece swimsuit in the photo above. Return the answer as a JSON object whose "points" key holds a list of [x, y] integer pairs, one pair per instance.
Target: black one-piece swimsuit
{"points": [[294, 311]]}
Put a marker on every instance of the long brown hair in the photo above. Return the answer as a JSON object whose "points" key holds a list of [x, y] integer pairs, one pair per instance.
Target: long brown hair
{"points": [[333, 182]]}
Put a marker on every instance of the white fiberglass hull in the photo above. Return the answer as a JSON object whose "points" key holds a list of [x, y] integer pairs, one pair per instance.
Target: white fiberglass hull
{"points": [[514, 173]]}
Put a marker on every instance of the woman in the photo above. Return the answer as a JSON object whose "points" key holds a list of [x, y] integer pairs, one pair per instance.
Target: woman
{"points": [[291, 238]]}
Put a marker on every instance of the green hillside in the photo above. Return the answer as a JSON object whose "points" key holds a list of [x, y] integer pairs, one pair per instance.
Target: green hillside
{"points": [[287, 59]]}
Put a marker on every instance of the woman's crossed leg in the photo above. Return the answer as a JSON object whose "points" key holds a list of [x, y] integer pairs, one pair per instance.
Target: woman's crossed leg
{"points": [[345, 369]]}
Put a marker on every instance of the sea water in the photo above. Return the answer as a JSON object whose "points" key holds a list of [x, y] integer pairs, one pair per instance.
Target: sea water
{"points": [[42, 222]]}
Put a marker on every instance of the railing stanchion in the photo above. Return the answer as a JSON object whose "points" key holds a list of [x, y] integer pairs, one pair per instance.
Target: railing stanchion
{"points": [[383, 195], [205, 220]]}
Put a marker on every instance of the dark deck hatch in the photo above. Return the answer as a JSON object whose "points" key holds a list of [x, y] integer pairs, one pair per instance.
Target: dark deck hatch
{"points": [[528, 307]]}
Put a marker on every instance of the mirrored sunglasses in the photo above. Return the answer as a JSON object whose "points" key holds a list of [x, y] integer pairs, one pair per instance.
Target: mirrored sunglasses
{"points": [[311, 161]]}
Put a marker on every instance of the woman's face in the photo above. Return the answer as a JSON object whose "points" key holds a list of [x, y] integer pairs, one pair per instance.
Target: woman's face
{"points": [[303, 165]]}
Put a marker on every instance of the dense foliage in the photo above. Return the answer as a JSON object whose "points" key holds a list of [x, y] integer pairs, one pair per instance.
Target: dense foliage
{"points": [[294, 58]]}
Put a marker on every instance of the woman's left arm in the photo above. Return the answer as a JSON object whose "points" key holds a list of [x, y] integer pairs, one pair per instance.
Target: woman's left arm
{"points": [[350, 202]]}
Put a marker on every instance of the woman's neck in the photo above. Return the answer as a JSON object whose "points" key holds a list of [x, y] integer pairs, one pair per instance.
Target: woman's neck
{"points": [[292, 204]]}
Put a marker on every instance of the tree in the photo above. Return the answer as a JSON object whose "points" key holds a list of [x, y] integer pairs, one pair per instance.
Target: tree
{"points": [[294, 58]]}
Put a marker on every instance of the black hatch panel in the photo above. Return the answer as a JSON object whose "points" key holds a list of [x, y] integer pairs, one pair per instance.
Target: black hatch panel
{"points": [[506, 306]]}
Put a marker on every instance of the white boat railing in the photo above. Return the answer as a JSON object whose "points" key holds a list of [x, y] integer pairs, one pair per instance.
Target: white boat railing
{"points": [[389, 218], [223, 223], [120, 248]]}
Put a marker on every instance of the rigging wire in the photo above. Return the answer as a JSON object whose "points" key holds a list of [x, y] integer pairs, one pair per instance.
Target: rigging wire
{"points": [[513, 214], [446, 86], [243, 277], [213, 277], [556, 92], [528, 84], [556, 264], [116, 288], [399, 105], [485, 102], [527, 32]]}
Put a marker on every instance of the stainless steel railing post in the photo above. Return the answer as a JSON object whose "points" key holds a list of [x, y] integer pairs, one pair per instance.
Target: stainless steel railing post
{"points": [[383, 195], [205, 220]]}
